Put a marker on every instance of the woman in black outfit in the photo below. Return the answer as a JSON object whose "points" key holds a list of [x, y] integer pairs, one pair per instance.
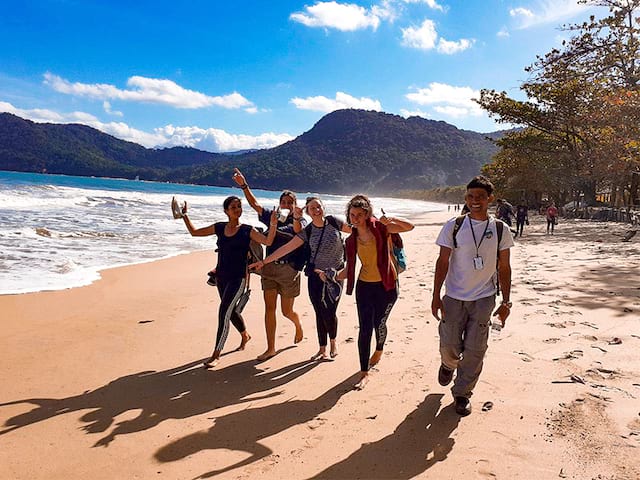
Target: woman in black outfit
{"points": [[231, 271]]}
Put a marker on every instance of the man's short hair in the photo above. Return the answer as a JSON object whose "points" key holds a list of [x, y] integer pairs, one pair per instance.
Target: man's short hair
{"points": [[481, 182]]}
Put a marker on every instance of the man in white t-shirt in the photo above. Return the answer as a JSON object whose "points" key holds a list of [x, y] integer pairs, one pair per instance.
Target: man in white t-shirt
{"points": [[470, 266]]}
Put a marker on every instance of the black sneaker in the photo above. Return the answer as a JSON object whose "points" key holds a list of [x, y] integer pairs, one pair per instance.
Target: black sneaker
{"points": [[463, 406], [444, 376]]}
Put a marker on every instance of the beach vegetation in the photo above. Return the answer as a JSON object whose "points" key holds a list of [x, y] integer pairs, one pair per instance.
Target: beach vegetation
{"points": [[581, 115]]}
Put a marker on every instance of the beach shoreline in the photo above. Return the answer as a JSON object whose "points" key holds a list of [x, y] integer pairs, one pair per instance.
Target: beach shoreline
{"points": [[104, 381]]}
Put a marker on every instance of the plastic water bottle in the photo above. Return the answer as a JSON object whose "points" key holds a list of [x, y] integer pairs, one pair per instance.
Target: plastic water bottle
{"points": [[496, 327]]}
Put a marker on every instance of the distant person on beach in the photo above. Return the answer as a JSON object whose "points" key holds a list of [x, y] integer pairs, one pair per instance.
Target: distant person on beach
{"points": [[467, 265], [504, 211], [280, 277], [522, 217], [231, 270], [552, 217], [326, 259], [377, 283]]}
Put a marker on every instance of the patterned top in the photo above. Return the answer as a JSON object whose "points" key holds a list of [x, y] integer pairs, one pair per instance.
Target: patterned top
{"points": [[331, 251]]}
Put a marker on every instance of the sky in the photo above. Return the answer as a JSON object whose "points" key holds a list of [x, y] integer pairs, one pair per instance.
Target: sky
{"points": [[225, 76]]}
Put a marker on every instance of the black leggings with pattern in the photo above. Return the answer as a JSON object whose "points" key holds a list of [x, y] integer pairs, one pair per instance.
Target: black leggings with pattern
{"points": [[374, 306]]}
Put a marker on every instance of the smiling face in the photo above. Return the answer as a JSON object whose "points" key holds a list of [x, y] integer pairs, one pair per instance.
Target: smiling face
{"points": [[358, 217], [287, 202], [315, 209], [477, 200], [234, 210]]}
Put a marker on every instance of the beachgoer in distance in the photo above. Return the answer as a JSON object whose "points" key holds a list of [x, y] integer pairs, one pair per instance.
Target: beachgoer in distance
{"points": [[281, 277], [326, 258], [469, 274], [377, 284], [231, 270], [522, 217], [552, 217], [504, 211]]}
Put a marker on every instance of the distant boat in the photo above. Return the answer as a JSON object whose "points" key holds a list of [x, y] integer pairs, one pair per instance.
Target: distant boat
{"points": [[138, 178]]}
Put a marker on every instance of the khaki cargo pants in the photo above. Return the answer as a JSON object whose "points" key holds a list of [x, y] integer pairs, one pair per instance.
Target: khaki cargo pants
{"points": [[464, 332]]}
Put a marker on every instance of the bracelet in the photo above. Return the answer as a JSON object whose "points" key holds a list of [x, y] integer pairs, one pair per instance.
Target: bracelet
{"points": [[245, 186]]}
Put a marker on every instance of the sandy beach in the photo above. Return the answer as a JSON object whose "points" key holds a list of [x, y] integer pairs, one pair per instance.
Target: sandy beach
{"points": [[106, 382]]}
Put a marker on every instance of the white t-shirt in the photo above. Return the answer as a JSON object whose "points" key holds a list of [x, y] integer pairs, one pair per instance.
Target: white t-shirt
{"points": [[464, 282]]}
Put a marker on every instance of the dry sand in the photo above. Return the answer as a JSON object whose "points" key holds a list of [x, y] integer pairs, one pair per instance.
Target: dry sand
{"points": [[105, 382]]}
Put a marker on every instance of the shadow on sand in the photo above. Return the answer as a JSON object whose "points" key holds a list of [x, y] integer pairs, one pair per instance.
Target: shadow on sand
{"points": [[243, 430], [180, 392], [420, 441]]}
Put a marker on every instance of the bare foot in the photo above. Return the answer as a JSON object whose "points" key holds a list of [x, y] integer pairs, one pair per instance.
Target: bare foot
{"points": [[375, 358], [266, 355], [321, 355], [364, 379], [334, 350], [299, 334], [245, 339], [213, 361]]}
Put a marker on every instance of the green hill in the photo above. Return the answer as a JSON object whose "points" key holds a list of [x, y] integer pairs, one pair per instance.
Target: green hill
{"points": [[347, 150]]}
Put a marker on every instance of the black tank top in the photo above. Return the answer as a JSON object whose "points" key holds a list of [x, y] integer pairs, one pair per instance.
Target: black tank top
{"points": [[232, 251]]}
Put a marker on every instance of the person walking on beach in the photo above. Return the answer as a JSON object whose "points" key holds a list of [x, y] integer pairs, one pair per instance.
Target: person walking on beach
{"points": [[522, 217], [552, 217], [280, 277], [471, 256], [504, 211], [326, 258], [377, 284], [231, 271]]}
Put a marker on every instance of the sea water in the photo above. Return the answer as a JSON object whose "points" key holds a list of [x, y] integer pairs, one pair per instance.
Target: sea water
{"points": [[59, 231]]}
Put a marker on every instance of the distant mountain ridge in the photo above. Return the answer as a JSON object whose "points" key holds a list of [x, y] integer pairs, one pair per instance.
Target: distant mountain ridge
{"points": [[345, 151]]}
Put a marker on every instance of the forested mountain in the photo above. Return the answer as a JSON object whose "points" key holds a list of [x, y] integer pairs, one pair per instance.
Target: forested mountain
{"points": [[347, 150]]}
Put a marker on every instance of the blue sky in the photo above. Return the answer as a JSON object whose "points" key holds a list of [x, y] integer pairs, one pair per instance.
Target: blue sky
{"points": [[230, 75]]}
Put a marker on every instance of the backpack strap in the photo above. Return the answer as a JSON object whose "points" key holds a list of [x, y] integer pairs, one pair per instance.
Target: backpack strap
{"points": [[456, 227], [499, 229]]}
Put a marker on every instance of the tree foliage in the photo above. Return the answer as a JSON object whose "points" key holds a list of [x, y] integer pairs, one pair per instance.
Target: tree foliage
{"points": [[581, 115]]}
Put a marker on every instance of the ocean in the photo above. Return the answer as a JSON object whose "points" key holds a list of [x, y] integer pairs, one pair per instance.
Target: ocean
{"points": [[59, 231]]}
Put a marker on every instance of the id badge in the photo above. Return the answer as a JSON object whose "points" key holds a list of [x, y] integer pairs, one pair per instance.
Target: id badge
{"points": [[478, 263]]}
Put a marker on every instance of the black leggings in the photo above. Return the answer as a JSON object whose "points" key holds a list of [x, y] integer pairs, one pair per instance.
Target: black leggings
{"points": [[326, 319], [374, 306], [551, 222], [519, 226], [229, 290]]}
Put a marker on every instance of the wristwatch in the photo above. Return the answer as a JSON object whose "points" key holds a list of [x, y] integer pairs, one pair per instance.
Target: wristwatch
{"points": [[507, 303]]}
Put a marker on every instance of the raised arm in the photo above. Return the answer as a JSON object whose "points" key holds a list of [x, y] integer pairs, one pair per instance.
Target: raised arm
{"points": [[396, 225], [196, 232], [238, 177], [273, 229], [442, 267]]}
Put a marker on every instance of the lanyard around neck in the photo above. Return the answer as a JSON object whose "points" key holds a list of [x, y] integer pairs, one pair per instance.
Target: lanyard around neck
{"points": [[486, 227]]}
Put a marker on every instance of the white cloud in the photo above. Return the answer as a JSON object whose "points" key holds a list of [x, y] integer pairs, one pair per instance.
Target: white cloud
{"points": [[147, 90], [449, 48], [431, 3], [212, 139], [547, 11], [342, 100], [346, 17], [414, 113], [448, 100], [107, 108], [216, 140], [425, 37], [521, 12], [503, 33]]}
